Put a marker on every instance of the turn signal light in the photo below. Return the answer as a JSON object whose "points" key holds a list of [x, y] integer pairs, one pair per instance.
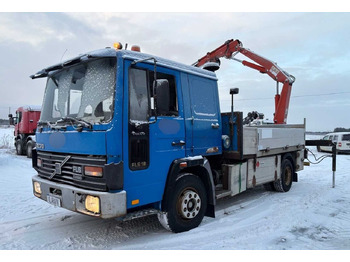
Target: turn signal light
{"points": [[93, 171], [183, 164]]}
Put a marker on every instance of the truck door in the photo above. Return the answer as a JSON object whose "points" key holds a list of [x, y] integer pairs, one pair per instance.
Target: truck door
{"points": [[206, 119], [151, 146]]}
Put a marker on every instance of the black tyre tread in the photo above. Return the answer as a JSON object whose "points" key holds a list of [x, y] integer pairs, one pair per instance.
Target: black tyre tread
{"points": [[279, 184], [173, 221], [19, 151], [29, 145]]}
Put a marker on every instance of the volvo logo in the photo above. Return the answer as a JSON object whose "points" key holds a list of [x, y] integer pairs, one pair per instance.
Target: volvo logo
{"points": [[58, 167]]}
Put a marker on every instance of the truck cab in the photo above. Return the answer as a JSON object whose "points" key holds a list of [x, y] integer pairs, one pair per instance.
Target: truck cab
{"points": [[113, 125], [25, 123]]}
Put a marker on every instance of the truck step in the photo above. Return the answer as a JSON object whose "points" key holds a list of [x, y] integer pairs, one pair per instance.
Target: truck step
{"points": [[222, 193], [141, 213]]}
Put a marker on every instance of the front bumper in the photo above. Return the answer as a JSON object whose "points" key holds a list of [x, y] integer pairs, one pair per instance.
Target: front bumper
{"points": [[73, 198]]}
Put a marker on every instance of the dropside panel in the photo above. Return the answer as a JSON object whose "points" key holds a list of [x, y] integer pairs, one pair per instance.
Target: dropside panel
{"points": [[263, 170]]}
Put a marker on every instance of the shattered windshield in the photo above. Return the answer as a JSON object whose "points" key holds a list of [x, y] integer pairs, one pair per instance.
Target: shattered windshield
{"points": [[84, 92]]}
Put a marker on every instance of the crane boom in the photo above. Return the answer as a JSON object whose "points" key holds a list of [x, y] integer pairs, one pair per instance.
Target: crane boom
{"points": [[232, 47]]}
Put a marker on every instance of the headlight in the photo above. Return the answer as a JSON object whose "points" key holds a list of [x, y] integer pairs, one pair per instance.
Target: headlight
{"points": [[37, 188], [92, 204], [93, 171], [226, 141]]}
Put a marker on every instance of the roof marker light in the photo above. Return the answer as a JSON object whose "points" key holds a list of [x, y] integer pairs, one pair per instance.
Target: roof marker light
{"points": [[136, 48]]}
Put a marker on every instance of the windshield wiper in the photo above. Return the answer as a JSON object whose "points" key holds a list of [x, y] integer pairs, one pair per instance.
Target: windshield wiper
{"points": [[82, 122]]}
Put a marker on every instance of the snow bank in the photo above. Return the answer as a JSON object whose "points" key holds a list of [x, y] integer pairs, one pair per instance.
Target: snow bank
{"points": [[6, 138]]}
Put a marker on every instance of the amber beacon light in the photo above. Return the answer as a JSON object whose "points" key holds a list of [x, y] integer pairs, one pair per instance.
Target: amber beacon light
{"points": [[117, 45]]}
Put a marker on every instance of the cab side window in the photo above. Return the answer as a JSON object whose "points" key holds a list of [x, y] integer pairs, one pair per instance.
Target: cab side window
{"points": [[138, 92], [19, 117]]}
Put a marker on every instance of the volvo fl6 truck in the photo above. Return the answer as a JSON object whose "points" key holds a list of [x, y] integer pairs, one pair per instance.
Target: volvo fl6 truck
{"points": [[122, 132]]}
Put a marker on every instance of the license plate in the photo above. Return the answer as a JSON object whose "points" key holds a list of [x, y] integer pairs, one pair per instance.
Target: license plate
{"points": [[55, 201]]}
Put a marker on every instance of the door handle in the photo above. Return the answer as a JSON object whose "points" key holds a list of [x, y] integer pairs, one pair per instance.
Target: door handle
{"points": [[178, 143], [215, 126]]}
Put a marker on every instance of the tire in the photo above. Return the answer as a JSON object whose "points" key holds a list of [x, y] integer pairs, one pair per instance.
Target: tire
{"points": [[284, 183], [19, 148], [29, 149], [186, 206]]}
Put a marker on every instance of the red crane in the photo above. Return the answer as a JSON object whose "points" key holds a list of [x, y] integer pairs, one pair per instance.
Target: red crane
{"points": [[231, 48]]}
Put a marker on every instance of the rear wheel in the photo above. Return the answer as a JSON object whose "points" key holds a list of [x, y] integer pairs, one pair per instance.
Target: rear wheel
{"points": [[19, 147], [284, 183], [186, 207]]}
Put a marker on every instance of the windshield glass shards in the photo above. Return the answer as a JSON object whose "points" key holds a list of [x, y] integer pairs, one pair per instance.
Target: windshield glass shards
{"points": [[84, 92]]}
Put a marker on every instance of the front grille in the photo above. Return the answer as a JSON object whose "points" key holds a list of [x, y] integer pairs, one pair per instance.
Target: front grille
{"points": [[72, 172]]}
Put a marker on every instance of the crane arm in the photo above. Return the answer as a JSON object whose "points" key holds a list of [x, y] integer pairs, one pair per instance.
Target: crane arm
{"points": [[232, 47]]}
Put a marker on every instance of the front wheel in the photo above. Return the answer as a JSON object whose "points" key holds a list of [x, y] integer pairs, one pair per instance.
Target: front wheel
{"points": [[186, 207], [29, 149]]}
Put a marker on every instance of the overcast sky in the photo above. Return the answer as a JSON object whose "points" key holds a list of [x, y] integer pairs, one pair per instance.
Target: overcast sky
{"points": [[314, 47]]}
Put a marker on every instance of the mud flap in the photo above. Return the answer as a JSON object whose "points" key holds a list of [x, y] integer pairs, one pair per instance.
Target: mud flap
{"points": [[295, 177], [210, 211]]}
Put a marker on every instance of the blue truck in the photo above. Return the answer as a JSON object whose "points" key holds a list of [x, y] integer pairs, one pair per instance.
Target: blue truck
{"points": [[122, 132]]}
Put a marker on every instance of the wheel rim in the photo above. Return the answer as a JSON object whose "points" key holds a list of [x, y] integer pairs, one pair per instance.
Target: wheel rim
{"points": [[288, 176], [189, 204]]}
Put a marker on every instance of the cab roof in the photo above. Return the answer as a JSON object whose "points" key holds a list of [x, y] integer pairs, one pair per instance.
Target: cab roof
{"points": [[126, 54]]}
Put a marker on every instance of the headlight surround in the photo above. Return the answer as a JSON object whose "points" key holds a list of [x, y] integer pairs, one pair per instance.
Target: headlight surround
{"points": [[95, 171]]}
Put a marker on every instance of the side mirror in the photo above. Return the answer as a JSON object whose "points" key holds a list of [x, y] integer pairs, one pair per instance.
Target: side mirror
{"points": [[11, 120], [162, 96], [234, 91]]}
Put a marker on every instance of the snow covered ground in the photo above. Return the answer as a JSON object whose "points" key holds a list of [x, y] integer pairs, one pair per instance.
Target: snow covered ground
{"points": [[312, 216]]}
